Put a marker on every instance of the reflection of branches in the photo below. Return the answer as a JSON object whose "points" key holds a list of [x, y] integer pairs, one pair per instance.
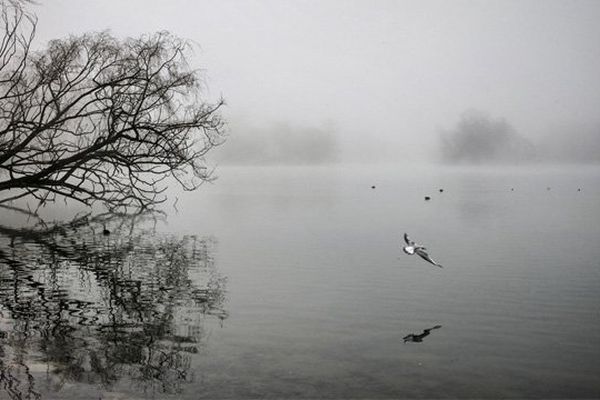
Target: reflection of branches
{"points": [[96, 309]]}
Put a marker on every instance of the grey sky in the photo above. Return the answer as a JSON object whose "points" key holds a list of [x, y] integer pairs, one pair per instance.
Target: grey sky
{"points": [[387, 74]]}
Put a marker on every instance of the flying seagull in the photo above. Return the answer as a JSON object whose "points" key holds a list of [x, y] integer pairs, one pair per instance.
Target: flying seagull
{"points": [[412, 248]]}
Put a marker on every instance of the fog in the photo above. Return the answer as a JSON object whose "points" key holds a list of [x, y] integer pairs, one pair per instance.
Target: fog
{"points": [[279, 143], [479, 138], [571, 143], [389, 75]]}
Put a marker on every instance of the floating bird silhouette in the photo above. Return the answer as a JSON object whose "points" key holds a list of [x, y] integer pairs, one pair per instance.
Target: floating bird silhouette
{"points": [[412, 248]]}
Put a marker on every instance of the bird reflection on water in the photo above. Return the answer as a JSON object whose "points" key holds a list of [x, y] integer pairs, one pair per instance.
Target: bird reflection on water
{"points": [[97, 310], [419, 338]]}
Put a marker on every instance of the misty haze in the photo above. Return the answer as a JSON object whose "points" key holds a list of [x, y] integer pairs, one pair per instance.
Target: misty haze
{"points": [[478, 138], [332, 199], [280, 143]]}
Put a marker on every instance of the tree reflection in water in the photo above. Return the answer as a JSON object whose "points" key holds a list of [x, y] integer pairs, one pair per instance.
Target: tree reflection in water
{"points": [[80, 307]]}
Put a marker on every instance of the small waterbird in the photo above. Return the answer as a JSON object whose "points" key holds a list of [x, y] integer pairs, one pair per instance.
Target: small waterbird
{"points": [[412, 248]]}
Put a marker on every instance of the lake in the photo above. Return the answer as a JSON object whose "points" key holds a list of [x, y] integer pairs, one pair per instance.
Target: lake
{"points": [[291, 282]]}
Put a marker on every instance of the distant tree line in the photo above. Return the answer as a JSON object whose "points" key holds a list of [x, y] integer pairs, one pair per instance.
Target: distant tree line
{"points": [[479, 138]]}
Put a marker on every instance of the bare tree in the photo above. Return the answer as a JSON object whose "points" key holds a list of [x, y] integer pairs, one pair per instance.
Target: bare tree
{"points": [[97, 119]]}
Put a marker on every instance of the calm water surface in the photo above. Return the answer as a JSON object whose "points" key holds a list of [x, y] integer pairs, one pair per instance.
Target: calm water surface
{"points": [[291, 282]]}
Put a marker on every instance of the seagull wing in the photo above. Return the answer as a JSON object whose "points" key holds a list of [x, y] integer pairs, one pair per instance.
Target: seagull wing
{"points": [[430, 329], [423, 254], [408, 241]]}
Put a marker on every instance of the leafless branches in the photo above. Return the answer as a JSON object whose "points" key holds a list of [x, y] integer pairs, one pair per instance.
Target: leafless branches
{"points": [[97, 119]]}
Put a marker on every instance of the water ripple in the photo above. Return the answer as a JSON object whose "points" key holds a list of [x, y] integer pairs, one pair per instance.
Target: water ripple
{"points": [[88, 308]]}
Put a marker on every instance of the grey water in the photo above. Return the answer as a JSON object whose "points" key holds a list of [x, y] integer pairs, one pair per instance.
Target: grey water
{"points": [[291, 282]]}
